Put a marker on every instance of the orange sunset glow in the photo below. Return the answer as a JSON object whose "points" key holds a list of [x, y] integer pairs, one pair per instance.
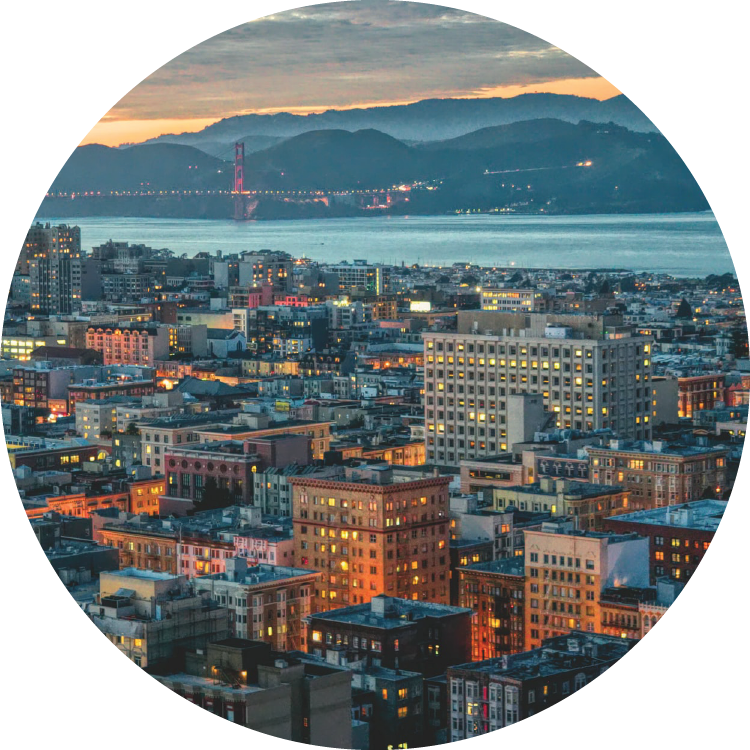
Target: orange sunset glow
{"points": [[115, 132]]}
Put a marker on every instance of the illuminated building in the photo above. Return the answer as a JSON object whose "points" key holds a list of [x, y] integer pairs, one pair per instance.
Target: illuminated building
{"points": [[513, 300], [679, 535], [53, 255], [488, 695], [395, 633], [566, 573], [494, 591], [267, 602], [699, 392], [590, 372], [361, 274], [587, 504], [658, 474], [130, 346], [260, 268], [373, 531]]}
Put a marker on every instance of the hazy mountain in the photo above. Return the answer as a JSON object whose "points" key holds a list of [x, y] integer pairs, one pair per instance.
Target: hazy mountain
{"points": [[163, 166], [527, 165], [427, 120], [221, 149]]}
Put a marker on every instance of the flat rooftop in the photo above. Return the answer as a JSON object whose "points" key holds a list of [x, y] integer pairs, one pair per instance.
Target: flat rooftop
{"points": [[509, 566], [260, 574], [398, 613], [145, 575], [704, 515]]}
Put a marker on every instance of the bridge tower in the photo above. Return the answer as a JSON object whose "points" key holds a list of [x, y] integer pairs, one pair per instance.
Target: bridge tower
{"points": [[240, 213]]}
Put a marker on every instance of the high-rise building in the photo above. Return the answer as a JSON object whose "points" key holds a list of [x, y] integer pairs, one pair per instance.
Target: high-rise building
{"points": [[373, 530], [53, 256], [591, 372]]}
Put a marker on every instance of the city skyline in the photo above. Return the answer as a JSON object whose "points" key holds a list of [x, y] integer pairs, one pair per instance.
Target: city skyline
{"points": [[346, 55]]}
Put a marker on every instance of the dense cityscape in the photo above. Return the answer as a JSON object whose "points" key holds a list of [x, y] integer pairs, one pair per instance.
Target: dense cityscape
{"points": [[361, 505]]}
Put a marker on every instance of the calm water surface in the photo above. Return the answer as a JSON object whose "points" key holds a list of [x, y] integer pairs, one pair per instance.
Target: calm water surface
{"points": [[680, 244]]}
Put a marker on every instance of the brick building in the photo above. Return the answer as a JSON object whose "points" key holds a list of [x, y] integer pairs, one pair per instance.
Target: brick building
{"points": [[657, 474], [699, 392], [373, 531], [678, 536], [495, 592]]}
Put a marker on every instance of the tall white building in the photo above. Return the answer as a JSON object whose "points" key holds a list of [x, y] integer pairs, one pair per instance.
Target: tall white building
{"points": [[592, 373]]}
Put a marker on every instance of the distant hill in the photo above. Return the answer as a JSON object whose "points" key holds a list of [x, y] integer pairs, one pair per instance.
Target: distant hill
{"points": [[424, 121], [162, 166], [222, 149], [529, 166]]}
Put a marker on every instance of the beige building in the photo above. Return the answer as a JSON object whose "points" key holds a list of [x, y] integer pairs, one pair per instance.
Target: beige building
{"points": [[591, 372], [268, 602], [151, 617], [130, 346], [586, 504], [566, 572], [513, 300]]}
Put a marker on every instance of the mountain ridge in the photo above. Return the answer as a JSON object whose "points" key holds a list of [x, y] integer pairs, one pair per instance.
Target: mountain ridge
{"points": [[426, 120]]}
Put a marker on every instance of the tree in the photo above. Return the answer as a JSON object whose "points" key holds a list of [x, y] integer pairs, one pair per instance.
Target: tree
{"points": [[739, 345], [132, 429], [213, 496], [684, 310], [605, 287]]}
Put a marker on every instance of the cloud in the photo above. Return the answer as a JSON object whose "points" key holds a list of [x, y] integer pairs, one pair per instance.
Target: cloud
{"points": [[340, 54]]}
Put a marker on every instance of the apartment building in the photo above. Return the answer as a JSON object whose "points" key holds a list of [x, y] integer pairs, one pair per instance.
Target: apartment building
{"points": [[566, 573], [656, 473], [585, 503], [489, 695], [153, 617], [267, 602], [394, 633], [494, 591], [591, 372], [373, 530], [699, 392], [142, 345], [513, 300], [679, 535]]}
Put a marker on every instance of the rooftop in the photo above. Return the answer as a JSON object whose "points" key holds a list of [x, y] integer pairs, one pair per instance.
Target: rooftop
{"points": [[509, 566], [704, 515], [389, 612], [259, 574]]}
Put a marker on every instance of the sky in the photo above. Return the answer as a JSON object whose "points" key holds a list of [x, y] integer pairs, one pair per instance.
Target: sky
{"points": [[340, 56]]}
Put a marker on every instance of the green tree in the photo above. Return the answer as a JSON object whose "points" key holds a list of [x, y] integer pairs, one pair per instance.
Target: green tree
{"points": [[684, 310]]}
